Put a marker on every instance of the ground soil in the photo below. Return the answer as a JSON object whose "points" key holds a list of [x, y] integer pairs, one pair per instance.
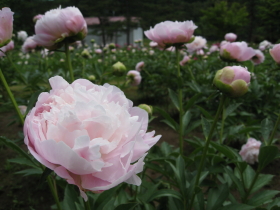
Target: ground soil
{"points": [[22, 193]]}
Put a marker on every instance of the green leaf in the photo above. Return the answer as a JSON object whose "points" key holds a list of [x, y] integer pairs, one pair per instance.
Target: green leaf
{"points": [[166, 193], [127, 206], [180, 165], [205, 113], [192, 126], [70, 197], [237, 206], [30, 171], [266, 128], [206, 126], [192, 101], [236, 181], [175, 204], [274, 204], [174, 98], [231, 108], [169, 120], [217, 196], [148, 193], [267, 154], [199, 201], [248, 175], [186, 119], [262, 180], [16, 148], [262, 197], [23, 161], [225, 150], [165, 148], [105, 197]]}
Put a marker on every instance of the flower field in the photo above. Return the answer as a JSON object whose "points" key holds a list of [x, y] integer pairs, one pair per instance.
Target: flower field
{"points": [[169, 122]]}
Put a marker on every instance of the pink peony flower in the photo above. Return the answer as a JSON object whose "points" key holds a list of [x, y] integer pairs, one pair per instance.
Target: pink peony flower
{"points": [[6, 26], [29, 45], [185, 60], [139, 66], [264, 45], [153, 44], [213, 48], [22, 35], [88, 134], [236, 51], [198, 43], [250, 151], [98, 51], [60, 24], [258, 58], [169, 33], [37, 17], [275, 53], [233, 80], [230, 37], [134, 77], [7, 48]]}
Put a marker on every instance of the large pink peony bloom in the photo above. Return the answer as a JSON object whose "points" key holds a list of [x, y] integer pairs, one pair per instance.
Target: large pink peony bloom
{"points": [[29, 44], [250, 151], [88, 134], [57, 25], [275, 53], [6, 26], [168, 33], [236, 51], [230, 37]]}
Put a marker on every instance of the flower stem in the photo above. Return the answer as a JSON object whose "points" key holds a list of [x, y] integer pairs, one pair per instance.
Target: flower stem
{"points": [[208, 140], [180, 98], [54, 193], [274, 130], [222, 125], [11, 96], [68, 61], [87, 204]]}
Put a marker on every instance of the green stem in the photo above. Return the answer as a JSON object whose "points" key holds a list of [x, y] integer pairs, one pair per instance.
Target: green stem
{"points": [[180, 98], [68, 61], [54, 193], [191, 73], [208, 140], [16, 69], [222, 125], [11, 96], [87, 204], [274, 130], [83, 72]]}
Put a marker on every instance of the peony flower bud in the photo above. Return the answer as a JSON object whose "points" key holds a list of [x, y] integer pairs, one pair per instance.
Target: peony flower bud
{"points": [[275, 53], [6, 26], [92, 40], [250, 151], [85, 54], [60, 24], [233, 80], [147, 108], [91, 78], [170, 33], [230, 37], [90, 135], [139, 66], [112, 46], [119, 69], [236, 51], [134, 77]]}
